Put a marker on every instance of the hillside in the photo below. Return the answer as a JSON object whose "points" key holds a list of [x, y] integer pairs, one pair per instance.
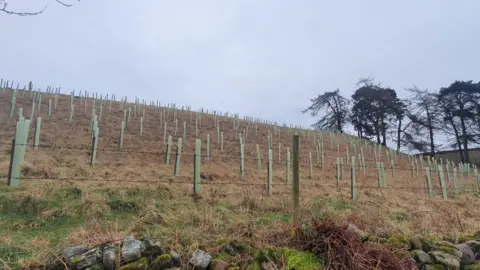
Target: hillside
{"points": [[63, 200]]}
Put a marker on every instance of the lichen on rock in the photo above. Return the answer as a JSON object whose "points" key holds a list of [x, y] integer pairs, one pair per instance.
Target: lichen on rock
{"points": [[164, 261], [398, 241], [141, 264]]}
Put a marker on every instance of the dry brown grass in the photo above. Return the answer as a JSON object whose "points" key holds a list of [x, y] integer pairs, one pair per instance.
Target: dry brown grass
{"points": [[230, 206]]}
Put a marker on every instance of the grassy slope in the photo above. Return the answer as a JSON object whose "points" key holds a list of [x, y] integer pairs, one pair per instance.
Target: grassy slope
{"points": [[42, 215]]}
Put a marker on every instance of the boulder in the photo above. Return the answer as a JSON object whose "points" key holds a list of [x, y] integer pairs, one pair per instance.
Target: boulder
{"points": [[109, 257], [468, 257], [200, 260], [415, 242], [87, 259], [152, 248], [141, 264], [131, 249], [162, 262], [176, 258], [421, 257], [356, 231], [448, 247], [446, 259], [70, 252]]}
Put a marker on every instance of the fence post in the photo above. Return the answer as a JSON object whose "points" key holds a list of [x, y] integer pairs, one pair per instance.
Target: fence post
{"points": [[208, 146], [354, 181], [288, 167], [442, 182], [197, 164], [429, 181], [259, 157], [178, 158], [72, 108], [169, 149], [242, 159], [221, 141], [164, 132], [338, 171], [270, 171], [379, 175], [310, 164], [36, 142], [94, 145], [296, 180], [455, 183], [122, 131]]}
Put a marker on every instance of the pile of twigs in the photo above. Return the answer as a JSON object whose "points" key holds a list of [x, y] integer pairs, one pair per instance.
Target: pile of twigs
{"points": [[342, 250]]}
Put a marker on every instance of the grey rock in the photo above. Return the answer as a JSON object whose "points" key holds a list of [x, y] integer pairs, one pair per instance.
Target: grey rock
{"points": [[153, 248], [70, 252], [230, 250], [467, 254], [356, 231], [176, 258], [445, 259], [474, 244], [421, 257], [162, 262], [200, 260], [415, 242], [88, 258], [448, 247], [131, 249], [109, 257]]}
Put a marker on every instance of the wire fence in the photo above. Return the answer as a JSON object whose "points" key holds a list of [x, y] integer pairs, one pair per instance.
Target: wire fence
{"points": [[250, 168], [315, 178]]}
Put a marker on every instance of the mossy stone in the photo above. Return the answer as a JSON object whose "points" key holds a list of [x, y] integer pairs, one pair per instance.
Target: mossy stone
{"points": [[141, 264], [465, 237], [472, 267], [163, 261], [448, 247], [398, 241], [415, 242], [434, 267]]}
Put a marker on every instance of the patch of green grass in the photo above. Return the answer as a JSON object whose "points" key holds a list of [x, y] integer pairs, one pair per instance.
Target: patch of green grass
{"points": [[272, 217], [123, 205], [324, 207], [21, 207]]}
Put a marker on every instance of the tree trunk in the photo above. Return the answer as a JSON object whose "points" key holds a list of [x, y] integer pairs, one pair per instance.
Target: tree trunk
{"points": [[457, 138], [399, 133], [465, 141], [430, 131]]}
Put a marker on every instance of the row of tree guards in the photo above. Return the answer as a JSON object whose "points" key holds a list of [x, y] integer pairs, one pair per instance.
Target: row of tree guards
{"points": [[129, 114], [19, 144]]}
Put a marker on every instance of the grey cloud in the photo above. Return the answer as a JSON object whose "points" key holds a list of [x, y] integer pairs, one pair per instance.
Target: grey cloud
{"points": [[258, 58]]}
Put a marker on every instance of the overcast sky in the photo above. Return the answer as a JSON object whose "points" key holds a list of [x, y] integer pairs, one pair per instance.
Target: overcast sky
{"points": [[261, 58]]}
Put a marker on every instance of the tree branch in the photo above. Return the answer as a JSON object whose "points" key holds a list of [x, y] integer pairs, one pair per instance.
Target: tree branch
{"points": [[4, 9]]}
